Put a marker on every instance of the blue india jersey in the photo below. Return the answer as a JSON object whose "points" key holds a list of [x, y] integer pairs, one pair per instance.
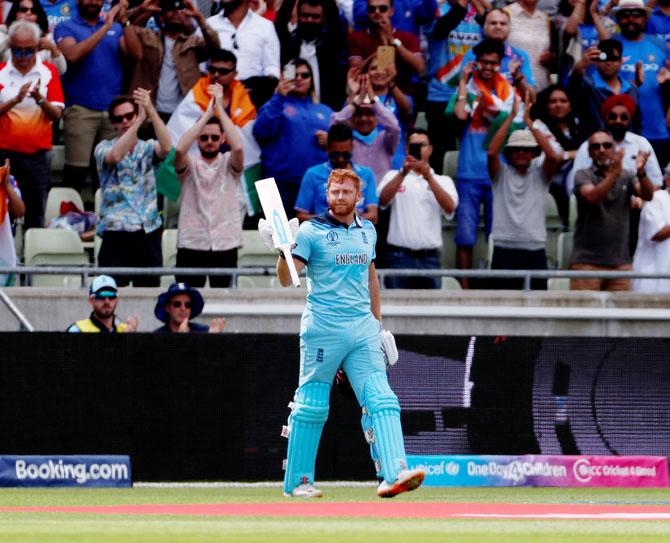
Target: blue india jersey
{"points": [[338, 259]]}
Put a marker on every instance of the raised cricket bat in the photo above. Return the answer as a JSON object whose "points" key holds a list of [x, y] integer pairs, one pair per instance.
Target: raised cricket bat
{"points": [[273, 208]]}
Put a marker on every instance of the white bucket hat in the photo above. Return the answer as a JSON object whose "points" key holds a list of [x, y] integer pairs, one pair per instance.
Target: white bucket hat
{"points": [[521, 138], [627, 5]]}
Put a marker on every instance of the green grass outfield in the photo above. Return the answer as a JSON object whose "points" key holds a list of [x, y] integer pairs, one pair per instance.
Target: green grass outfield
{"points": [[93, 528]]}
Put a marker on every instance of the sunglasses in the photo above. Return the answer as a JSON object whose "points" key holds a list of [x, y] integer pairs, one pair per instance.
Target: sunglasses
{"points": [[335, 155], [220, 71], [309, 16], [636, 13], [302, 75], [177, 304], [523, 149], [597, 146], [234, 38], [116, 119], [208, 137], [23, 52], [101, 297], [24, 9], [615, 116], [381, 9]]}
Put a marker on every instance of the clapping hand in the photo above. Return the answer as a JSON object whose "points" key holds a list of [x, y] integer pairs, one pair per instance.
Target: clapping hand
{"points": [[217, 325], [132, 323], [641, 160], [35, 91]]}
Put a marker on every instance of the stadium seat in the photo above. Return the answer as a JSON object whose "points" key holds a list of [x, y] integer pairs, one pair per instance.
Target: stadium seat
{"points": [[56, 196], [253, 252], [421, 121], [169, 249], [554, 226], [256, 281], [572, 219], [558, 283], [450, 164], [54, 247], [450, 283], [564, 249]]}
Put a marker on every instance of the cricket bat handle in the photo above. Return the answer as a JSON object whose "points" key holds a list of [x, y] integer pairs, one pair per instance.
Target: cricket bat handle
{"points": [[286, 249]]}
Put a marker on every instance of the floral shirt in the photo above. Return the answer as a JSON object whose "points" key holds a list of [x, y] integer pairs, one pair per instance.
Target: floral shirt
{"points": [[129, 198]]}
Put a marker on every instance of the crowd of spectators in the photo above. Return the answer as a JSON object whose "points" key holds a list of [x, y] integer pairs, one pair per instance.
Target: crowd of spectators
{"points": [[560, 97]]}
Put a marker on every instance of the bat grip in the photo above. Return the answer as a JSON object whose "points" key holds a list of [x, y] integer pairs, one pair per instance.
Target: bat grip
{"points": [[286, 249]]}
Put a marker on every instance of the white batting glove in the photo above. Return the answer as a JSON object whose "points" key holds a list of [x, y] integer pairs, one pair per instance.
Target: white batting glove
{"points": [[266, 230], [389, 347], [293, 225]]}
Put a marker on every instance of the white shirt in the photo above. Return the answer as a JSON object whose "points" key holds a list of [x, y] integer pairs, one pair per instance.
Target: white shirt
{"points": [[653, 256], [168, 94], [308, 53], [257, 44], [416, 221], [631, 144]]}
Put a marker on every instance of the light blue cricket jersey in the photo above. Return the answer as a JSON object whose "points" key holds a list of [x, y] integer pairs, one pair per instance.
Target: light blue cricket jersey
{"points": [[338, 259]]}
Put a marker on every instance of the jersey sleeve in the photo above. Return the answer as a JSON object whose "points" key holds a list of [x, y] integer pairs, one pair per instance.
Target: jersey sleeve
{"points": [[303, 243]]}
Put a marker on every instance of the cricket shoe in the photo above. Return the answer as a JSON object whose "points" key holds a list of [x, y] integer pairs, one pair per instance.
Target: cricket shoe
{"points": [[407, 480], [305, 490]]}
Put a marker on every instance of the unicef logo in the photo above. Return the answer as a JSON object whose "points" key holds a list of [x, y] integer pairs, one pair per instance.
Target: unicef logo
{"points": [[453, 468], [582, 471]]}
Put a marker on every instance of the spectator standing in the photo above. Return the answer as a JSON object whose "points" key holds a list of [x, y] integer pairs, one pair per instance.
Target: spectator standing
{"points": [[658, 24], [32, 11], [170, 64], [530, 31], [617, 113], [103, 296], [376, 130], [408, 15], [382, 83], [178, 305], [363, 43], [554, 117], [320, 39], [515, 65], [591, 87], [129, 224], [453, 34], [482, 94], [603, 213], [94, 48], [31, 100], [643, 57], [58, 11], [312, 198], [418, 197], [653, 247], [519, 192], [291, 130], [210, 218], [11, 207], [254, 41]]}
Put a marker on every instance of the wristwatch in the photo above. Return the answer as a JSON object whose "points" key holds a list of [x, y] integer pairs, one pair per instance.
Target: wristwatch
{"points": [[396, 42]]}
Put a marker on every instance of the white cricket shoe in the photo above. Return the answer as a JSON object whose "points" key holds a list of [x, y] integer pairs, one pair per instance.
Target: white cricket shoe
{"points": [[406, 481], [305, 490]]}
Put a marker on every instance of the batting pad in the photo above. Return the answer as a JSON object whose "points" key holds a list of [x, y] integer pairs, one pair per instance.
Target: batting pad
{"points": [[309, 414], [387, 439]]}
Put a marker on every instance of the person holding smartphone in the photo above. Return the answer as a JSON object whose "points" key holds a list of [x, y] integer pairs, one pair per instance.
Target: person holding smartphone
{"points": [[417, 197]]}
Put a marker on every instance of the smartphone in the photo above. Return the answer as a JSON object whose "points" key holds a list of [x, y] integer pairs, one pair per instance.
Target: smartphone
{"points": [[414, 149], [289, 72], [385, 57]]}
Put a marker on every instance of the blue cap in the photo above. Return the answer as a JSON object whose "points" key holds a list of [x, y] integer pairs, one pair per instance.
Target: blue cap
{"points": [[197, 303]]}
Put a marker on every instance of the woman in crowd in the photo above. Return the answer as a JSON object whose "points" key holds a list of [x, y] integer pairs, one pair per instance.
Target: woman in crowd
{"points": [[291, 129], [391, 96], [32, 11], [555, 118]]}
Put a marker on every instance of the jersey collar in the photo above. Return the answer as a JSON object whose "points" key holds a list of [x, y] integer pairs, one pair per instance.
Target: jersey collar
{"points": [[327, 218]]}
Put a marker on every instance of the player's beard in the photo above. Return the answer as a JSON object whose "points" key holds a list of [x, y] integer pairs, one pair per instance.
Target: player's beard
{"points": [[209, 154], [343, 209]]}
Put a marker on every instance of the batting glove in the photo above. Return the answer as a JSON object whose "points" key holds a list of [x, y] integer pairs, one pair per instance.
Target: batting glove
{"points": [[266, 230], [389, 347]]}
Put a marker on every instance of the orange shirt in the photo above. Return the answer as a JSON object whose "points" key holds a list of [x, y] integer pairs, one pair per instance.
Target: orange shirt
{"points": [[25, 128]]}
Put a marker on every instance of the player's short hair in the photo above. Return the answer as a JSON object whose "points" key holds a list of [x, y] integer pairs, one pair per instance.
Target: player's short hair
{"points": [[421, 131], [340, 132], [487, 46], [122, 99], [341, 175], [215, 120]]}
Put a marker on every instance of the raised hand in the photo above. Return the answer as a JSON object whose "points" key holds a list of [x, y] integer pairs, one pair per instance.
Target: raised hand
{"points": [[132, 323], [617, 162], [527, 105], [321, 137], [353, 80], [467, 71], [23, 92], [111, 15], [184, 328], [217, 325], [641, 160], [35, 91], [663, 75]]}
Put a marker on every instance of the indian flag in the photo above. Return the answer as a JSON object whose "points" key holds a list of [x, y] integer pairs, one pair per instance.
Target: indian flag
{"points": [[450, 72], [243, 115]]}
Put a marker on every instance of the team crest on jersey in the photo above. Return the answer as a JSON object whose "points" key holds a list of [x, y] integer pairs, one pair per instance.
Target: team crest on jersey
{"points": [[332, 238]]}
